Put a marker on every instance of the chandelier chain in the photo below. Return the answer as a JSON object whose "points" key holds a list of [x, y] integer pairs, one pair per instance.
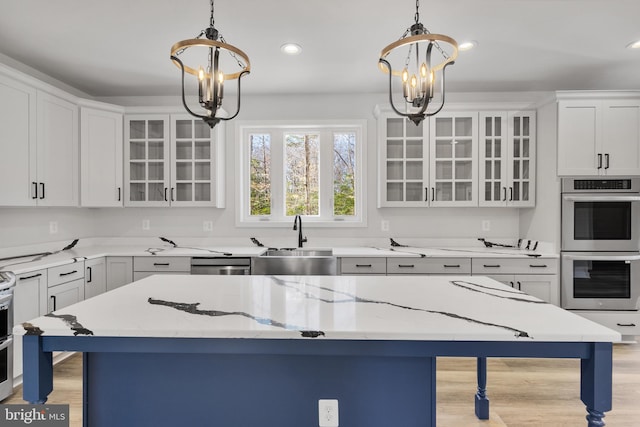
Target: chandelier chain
{"points": [[417, 11], [211, 22]]}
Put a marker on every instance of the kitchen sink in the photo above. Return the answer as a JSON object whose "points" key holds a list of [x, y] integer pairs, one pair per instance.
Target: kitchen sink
{"points": [[300, 252], [300, 261]]}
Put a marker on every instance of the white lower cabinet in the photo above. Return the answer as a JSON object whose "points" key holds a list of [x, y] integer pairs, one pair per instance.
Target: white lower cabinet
{"points": [[368, 266], [95, 277], [148, 266], [29, 302], [461, 266], [625, 322], [119, 271], [65, 294], [537, 277]]}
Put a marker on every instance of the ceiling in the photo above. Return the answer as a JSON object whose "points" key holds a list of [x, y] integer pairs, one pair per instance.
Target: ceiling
{"points": [[121, 47]]}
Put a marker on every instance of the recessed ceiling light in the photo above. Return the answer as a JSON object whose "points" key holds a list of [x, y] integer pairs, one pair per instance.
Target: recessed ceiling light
{"points": [[467, 45], [291, 49], [634, 45]]}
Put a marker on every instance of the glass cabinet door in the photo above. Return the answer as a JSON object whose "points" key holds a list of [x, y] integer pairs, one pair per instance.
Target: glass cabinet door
{"points": [[146, 154], [493, 159], [522, 159], [453, 159], [192, 162], [404, 154]]}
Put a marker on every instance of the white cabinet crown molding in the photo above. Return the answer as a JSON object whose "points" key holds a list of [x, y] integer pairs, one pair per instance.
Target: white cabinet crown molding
{"points": [[563, 95]]}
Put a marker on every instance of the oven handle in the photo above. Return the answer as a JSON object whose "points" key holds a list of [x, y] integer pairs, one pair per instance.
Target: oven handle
{"points": [[593, 198], [6, 343], [603, 257]]}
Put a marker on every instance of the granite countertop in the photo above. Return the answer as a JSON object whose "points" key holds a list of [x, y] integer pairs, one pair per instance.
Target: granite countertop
{"points": [[28, 264], [320, 307]]}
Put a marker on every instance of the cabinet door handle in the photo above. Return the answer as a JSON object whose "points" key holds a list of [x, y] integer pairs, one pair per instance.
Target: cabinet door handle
{"points": [[89, 274], [119, 194], [519, 286], [513, 285], [31, 277], [42, 188], [406, 266], [452, 266], [599, 161], [433, 194], [161, 264], [510, 194], [538, 266], [35, 190], [491, 265], [165, 194], [173, 198], [426, 194], [363, 265], [606, 159], [53, 297], [630, 325], [504, 198], [69, 273]]}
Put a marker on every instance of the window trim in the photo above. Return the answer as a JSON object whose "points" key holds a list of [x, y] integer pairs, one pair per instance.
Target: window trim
{"points": [[329, 127]]}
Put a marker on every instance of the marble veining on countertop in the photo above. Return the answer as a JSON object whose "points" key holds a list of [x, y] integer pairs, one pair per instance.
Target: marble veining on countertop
{"points": [[319, 307]]}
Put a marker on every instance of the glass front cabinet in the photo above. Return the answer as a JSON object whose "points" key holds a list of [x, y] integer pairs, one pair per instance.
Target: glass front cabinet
{"points": [[453, 159], [507, 159], [172, 160]]}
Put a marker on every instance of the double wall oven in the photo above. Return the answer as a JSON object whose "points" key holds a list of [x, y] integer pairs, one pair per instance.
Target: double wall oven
{"points": [[7, 282], [600, 244]]}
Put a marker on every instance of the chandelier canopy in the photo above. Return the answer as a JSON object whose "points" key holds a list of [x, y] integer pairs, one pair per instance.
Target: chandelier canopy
{"points": [[210, 76], [426, 57]]}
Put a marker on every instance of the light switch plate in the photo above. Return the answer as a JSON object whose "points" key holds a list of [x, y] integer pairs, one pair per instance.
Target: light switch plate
{"points": [[328, 413]]}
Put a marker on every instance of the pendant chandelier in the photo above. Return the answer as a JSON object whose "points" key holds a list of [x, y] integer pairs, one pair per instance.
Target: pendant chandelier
{"points": [[210, 77], [426, 57]]}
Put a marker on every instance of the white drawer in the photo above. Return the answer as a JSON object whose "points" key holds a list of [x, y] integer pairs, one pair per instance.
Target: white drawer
{"points": [[65, 273], [159, 263], [482, 266], [363, 266], [428, 266], [627, 323]]}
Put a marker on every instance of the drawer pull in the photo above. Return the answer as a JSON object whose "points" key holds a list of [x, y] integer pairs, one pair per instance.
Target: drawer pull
{"points": [[491, 265], [89, 270], [53, 298], [452, 266], [630, 325], [31, 277], [69, 273], [161, 264], [538, 266], [406, 266], [364, 265]]}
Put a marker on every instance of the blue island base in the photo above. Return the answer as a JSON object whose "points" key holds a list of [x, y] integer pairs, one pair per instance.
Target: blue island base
{"points": [[155, 389]]}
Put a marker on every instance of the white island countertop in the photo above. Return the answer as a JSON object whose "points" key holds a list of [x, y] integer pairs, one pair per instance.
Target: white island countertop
{"points": [[444, 308]]}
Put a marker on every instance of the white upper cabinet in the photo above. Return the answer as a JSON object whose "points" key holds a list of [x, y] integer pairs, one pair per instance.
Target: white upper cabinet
{"points": [[454, 159], [598, 137], [17, 143], [172, 160], [101, 160], [404, 160], [58, 151], [507, 159], [39, 147]]}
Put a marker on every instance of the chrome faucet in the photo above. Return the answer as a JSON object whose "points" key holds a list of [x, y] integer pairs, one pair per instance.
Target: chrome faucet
{"points": [[297, 225]]}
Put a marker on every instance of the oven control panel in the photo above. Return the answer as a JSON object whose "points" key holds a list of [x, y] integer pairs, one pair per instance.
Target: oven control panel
{"points": [[578, 185]]}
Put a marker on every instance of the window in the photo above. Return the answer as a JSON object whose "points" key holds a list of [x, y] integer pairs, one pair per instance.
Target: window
{"points": [[292, 169]]}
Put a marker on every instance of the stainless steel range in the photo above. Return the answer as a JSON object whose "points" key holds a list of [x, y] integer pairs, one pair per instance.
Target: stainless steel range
{"points": [[600, 244], [7, 282]]}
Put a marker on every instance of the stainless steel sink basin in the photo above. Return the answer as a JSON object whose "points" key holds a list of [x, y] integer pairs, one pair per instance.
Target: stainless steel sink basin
{"points": [[300, 252], [297, 262]]}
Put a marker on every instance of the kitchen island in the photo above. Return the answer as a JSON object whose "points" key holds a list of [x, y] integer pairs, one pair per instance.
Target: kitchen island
{"points": [[262, 350]]}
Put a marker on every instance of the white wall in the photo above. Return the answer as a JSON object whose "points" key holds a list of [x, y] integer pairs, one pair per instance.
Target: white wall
{"points": [[29, 225]]}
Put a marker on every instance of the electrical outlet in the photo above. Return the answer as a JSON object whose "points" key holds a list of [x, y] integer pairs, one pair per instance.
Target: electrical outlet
{"points": [[328, 412], [207, 225], [384, 225], [53, 227], [146, 224], [486, 225]]}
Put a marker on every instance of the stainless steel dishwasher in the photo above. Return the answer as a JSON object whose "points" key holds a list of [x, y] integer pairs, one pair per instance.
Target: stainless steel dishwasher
{"points": [[220, 266]]}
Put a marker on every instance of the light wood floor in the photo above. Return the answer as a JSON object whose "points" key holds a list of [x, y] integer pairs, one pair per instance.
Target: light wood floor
{"points": [[523, 392]]}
